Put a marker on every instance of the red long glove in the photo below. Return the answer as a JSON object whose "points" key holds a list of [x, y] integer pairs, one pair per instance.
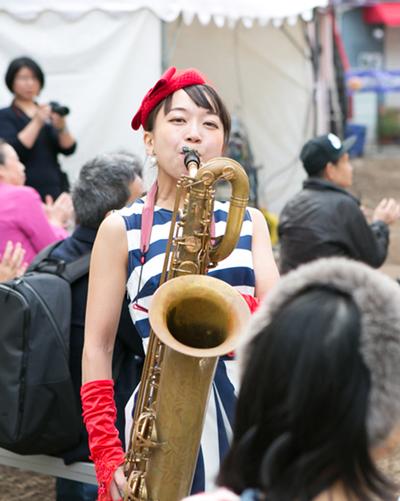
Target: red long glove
{"points": [[99, 415], [252, 302]]}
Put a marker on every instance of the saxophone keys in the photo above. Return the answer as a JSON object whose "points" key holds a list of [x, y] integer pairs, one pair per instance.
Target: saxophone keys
{"points": [[192, 244], [136, 489], [207, 178], [188, 268], [228, 173]]}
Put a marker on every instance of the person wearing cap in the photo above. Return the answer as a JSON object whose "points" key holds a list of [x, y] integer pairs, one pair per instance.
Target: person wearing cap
{"points": [[319, 400], [182, 110], [324, 219]]}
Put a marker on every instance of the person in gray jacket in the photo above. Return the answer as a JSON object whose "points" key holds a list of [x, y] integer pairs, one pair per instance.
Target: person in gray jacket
{"points": [[324, 219]]}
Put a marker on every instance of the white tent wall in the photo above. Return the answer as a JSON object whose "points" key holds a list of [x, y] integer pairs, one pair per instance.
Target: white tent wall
{"points": [[100, 58], [98, 65], [265, 79]]}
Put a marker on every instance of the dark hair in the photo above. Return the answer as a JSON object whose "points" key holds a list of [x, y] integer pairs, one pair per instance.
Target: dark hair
{"points": [[205, 97], [319, 174], [23, 62], [103, 185], [2, 154], [301, 415]]}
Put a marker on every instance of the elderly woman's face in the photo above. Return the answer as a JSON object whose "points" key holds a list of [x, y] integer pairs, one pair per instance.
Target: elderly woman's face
{"points": [[26, 85], [13, 171], [185, 125]]}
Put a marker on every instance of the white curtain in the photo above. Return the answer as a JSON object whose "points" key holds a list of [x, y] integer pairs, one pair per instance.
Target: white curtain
{"points": [[99, 66], [264, 77]]}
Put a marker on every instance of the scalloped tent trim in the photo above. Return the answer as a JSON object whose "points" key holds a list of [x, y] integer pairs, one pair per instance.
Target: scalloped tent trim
{"points": [[222, 12]]}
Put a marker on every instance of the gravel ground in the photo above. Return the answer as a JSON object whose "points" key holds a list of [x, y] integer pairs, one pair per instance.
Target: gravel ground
{"points": [[21, 485], [376, 178]]}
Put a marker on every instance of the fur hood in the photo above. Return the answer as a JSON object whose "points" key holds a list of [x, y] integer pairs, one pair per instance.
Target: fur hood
{"points": [[378, 300]]}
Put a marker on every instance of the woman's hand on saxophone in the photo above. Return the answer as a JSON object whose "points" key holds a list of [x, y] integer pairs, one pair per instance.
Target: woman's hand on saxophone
{"points": [[118, 484]]}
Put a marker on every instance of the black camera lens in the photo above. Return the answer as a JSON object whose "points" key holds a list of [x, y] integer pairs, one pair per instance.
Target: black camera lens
{"points": [[57, 108]]}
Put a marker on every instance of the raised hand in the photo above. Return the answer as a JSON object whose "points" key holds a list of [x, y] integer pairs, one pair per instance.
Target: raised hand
{"points": [[387, 211], [11, 264], [58, 212]]}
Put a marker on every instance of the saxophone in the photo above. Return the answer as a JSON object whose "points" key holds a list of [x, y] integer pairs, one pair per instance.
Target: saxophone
{"points": [[194, 319]]}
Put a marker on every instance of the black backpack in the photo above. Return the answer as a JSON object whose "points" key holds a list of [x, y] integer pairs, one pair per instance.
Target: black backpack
{"points": [[38, 413]]}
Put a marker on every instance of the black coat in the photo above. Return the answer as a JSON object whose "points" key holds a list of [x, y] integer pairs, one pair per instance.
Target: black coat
{"points": [[325, 220], [128, 349], [43, 172]]}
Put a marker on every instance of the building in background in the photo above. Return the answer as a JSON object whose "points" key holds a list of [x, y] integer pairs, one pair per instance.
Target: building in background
{"points": [[371, 37]]}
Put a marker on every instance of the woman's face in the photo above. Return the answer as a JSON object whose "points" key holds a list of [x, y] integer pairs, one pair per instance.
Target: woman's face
{"points": [[13, 171], [188, 125], [26, 85]]}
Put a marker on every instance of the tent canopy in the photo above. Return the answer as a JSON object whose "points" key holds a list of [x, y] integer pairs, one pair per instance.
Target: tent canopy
{"points": [[385, 13], [233, 10]]}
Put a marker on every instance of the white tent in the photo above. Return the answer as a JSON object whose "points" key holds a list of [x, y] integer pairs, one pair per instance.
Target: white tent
{"points": [[100, 58]]}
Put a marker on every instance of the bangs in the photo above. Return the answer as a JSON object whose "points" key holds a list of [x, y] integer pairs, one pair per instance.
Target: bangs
{"points": [[202, 98]]}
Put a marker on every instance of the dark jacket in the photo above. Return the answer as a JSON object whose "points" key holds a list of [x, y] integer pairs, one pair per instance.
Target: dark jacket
{"points": [[128, 349], [43, 172], [325, 220]]}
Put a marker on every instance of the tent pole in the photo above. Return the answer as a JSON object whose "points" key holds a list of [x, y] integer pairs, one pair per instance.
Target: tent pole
{"points": [[164, 50]]}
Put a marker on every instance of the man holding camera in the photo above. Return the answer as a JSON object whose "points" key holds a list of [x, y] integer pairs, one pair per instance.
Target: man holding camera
{"points": [[324, 219], [37, 132]]}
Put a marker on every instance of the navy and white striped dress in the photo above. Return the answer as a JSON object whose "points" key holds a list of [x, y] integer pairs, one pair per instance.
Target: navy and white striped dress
{"points": [[237, 270]]}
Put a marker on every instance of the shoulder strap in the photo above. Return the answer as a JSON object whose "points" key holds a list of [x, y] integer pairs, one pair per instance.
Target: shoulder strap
{"points": [[77, 268], [68, 271], [147, 220], [43, 254]]}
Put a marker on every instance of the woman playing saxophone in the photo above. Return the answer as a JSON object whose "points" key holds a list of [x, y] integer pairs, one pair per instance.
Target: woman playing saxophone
{"points": [[181, 111]]}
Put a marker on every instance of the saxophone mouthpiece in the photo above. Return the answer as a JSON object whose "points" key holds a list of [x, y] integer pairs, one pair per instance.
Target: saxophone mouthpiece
{"points": [[192, 160]]}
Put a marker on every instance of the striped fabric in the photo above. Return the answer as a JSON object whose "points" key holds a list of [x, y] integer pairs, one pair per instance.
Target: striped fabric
{"points": [[236, 270]]}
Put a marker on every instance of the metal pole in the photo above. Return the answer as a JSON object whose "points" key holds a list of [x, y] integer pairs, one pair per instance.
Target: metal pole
{"points": [[164, 48]]}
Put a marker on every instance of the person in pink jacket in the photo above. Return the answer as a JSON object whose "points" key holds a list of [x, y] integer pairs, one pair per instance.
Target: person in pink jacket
{"points": [[24, 218]]}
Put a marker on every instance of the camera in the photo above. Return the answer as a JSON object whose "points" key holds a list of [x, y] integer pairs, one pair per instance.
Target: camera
{"points": [[57, 108]]}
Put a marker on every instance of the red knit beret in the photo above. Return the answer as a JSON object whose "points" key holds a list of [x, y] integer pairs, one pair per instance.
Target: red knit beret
{"points": [[170, 82]]}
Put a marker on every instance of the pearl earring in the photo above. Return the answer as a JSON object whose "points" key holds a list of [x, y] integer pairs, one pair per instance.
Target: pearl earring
{"points": [[153, 158]]}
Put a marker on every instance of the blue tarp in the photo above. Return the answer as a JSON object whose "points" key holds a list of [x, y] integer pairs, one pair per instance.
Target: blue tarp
{"points": [[372, 81]]}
